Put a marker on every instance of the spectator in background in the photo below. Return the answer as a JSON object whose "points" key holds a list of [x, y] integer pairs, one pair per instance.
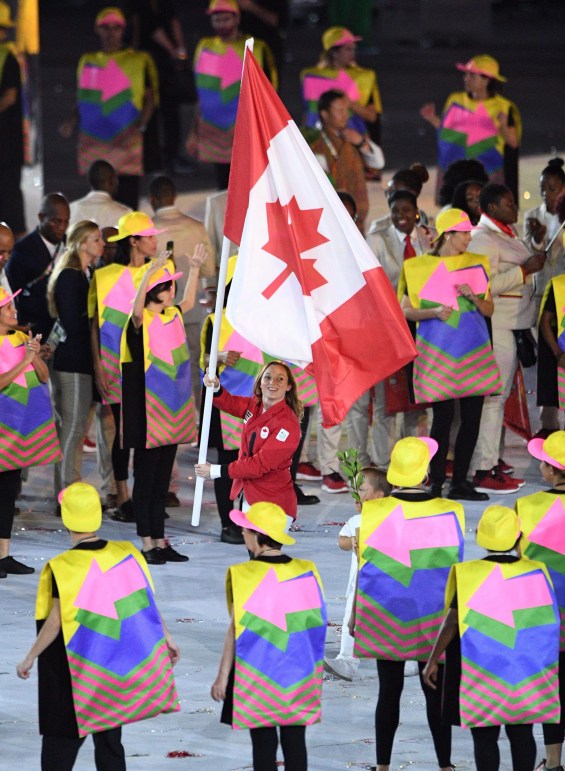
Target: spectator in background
{"points": [[218, 62], [117, 91], [11, 129], [33, 259], [6, 246], [466, 197], [99, 204], [456, 173]]}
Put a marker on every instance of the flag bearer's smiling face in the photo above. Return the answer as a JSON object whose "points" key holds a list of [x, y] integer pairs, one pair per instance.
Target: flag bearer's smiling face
{"points": [[274, 385]]}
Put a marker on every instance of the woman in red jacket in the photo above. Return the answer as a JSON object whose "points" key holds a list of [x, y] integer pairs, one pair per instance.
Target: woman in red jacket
{"points": [[271, 433]]}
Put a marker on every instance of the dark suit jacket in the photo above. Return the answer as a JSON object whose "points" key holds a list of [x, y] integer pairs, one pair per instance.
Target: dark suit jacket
{"points": [[29, 260]]}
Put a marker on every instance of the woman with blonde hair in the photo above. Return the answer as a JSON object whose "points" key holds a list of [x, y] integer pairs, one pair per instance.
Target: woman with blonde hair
{"points": [[270, 435], [67, 297]]}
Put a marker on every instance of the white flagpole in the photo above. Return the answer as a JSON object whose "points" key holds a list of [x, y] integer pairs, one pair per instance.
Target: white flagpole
{"points": [[207, 412]]}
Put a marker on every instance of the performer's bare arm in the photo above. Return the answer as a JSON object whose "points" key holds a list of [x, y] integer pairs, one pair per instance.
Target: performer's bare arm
{"points": [[447, 632], [218, 690], [46, 636]]}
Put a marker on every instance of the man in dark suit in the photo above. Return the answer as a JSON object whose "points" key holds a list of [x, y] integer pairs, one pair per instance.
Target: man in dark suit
{"points": [[32, 260]]}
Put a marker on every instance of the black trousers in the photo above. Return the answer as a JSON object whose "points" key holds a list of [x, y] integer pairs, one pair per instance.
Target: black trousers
{"points": [[59, 753], [222, 488], [9, 488], [293, 742], [554, 733], [471, 408], [120, 457], [387, 713], [152, 474], [522, 747]]}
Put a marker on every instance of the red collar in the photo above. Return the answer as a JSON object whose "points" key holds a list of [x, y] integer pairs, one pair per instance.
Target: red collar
{"points": [[502, 226]]}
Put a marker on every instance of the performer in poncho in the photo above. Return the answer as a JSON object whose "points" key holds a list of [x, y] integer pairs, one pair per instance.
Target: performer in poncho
{"points": [[504, 610], [447, 294], [407, 544], [104, 652], [272, 665]]}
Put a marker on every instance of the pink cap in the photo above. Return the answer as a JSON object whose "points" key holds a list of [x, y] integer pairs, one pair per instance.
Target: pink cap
{"points": [[223, 6], [6, 297], [545, 450], [163, 276]]}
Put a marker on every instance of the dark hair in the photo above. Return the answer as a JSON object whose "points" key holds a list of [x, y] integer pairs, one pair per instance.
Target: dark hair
{"points": [[291, 396], [328, 98], [457, 172], [162, 187], [264, 540], [492, 193], [554, 168], [346, 197], [559, 206], [459, 200], [100, 174], [122, 253], [376, 477], [412, 178], [402, 195], [152, 296]]}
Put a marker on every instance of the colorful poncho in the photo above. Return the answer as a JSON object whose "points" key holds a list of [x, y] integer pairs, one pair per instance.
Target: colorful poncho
{"points": [[111, 294], [280, 630], [406, 550], [455, 357], [27, 432], [110, 95], [471, 129], [169, 406], [542, 519], [558, 286], [118, 658], [509, 628], [358, 83], [217, 69]]}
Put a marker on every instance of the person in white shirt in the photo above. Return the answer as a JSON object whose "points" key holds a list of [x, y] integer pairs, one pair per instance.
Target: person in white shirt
{"points": [[374, 486], [6, 246], [99, 205]]}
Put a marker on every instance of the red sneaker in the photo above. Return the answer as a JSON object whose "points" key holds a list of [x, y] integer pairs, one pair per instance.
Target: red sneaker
{"points": [[88, 445], [449, 469], [307, 472], [333, 483], [503, 467], [494, 482]]}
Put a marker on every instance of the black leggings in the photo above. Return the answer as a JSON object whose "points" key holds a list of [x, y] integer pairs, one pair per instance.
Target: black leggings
{"points": [[554, 733], [9, 488], [387, 713], [152, 471], [120, 457], [60, 753], [471, 408], [293, 742], [522, 747]]}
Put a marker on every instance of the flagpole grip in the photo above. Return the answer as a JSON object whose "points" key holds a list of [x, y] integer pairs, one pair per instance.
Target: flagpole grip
{"points": [[212, 364]]}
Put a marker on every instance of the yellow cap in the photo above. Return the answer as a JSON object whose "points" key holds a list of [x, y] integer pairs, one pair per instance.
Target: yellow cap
{"points": [[453, 220], [551, 450], [5, 17], [483, 64], [338, 36], [223, 6], [498, 529], [136, 223], [110, 15], [81, 509], [266, 518], [6, 297], [410, 460]]}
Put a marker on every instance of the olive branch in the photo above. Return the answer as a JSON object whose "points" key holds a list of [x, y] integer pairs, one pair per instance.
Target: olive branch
{"points": [[349, 462]]}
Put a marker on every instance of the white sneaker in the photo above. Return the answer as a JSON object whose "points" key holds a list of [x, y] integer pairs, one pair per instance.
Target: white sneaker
{"points": [[341, 668], [411, 669]]}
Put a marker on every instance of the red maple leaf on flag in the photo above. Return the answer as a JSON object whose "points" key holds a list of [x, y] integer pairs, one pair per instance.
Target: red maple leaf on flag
{"points": [[292, 232]]}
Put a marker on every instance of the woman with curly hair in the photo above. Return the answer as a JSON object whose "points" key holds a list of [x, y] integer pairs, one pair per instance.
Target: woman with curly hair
{"points": [[271, 433]]}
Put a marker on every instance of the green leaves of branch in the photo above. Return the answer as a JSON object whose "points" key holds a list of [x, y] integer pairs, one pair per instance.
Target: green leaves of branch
{"points": [[349, 461]]}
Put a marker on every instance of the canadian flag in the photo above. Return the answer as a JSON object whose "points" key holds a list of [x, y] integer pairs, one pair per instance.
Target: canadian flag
{"points": [[307, 287]]}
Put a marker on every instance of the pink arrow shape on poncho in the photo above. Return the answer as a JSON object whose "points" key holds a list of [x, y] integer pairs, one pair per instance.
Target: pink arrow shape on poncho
{"points": [[550, 530], [227, 66], [100, 591], [272, 599], [476, 124], [109, 80], [121, 295], [11, 357], [498, 598], [397, 537], [441, 285], [315, 86], [165, 337], [247, 350]]}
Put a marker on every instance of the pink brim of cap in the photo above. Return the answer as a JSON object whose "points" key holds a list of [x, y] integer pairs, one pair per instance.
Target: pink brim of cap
{"points": [[150, 232], [111, 18], [535, 448], [477, 70], [239, 518], [60, 496], [9, 298], [345, 39], [163, 280], [432, 444], [461, 227]]}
